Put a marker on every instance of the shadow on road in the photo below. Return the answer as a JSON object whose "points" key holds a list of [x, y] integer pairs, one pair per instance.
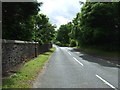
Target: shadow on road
{"points": [[99, 59]]}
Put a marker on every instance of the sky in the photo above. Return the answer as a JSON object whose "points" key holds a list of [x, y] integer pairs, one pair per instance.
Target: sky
{"points": [[60, 11]]}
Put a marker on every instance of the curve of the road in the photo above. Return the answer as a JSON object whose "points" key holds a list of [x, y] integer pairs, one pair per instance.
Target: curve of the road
{"points": [[68, 68]]}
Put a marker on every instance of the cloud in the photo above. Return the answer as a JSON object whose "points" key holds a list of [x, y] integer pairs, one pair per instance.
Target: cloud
{"points": [[61, 20], [60, 11]]}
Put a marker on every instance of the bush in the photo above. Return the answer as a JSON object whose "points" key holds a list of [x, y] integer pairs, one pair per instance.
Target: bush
{"points": [[72, 43], [58, 43]]}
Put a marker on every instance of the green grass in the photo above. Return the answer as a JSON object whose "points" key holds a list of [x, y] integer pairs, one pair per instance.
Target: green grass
{"points": [[27, 73], [94, 50]]}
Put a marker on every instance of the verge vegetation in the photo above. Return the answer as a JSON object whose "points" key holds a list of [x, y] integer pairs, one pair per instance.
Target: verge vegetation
{"points": [[28, 73], [99, 51], [95, 29]]}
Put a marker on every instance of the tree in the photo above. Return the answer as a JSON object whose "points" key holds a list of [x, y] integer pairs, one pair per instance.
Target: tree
{"points": [[44, 31], [97, 25], [17, 19], [63, 34]]}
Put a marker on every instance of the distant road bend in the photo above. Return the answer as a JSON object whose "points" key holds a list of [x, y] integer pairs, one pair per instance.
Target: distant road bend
{"points": [[68, 68]]}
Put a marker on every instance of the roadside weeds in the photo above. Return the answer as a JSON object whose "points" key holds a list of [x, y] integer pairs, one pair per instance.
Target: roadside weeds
{"points": [[28, 73], [111, 57]]}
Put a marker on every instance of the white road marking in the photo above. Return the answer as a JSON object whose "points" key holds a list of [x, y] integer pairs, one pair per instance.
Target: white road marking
{"points": [[117, 65], [106, 82], [108, 61], [66, 51], [78, 61], [69, 53]]}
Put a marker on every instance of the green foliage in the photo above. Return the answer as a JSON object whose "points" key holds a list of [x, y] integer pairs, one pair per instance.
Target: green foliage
{"points": [[44, 31], [21, 21], [62, 35], [96, 25], [17, 19], [27, 73], [72, 43], [58, 43], [55, 36]]}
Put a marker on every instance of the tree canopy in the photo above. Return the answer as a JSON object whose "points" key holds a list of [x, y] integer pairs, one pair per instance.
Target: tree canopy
{"points": [[62, 35], [44, 31], [21, 21], [96, 25], [16, 17]]}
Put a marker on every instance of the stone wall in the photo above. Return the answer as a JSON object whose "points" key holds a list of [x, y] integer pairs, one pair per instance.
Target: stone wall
{"points": [[15, 52]]}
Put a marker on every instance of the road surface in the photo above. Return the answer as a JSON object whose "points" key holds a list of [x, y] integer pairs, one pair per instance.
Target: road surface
{"points": [[68, 68]]}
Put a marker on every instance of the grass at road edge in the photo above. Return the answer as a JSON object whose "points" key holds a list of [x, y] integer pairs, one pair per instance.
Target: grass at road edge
{"points": [[28, 73], [99, 51]]}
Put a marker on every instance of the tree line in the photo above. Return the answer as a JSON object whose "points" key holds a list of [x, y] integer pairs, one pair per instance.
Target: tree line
{"points": [[22, 21], [97, 25]]}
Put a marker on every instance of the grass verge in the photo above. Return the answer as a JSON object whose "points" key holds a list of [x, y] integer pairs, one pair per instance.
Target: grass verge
{"points": [[28, 73], [99, 51]]}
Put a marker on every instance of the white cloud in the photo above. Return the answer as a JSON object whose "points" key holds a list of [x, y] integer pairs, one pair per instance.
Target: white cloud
{"points": [[60, 11], [61, 20]]}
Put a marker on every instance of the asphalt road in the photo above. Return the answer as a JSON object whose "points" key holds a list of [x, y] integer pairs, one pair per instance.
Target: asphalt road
{"points": [[68, 68]]}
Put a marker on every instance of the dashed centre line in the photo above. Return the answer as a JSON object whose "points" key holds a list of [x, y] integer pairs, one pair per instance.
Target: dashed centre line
{"points": [[106, 82], [78, 61], [69, 53], [75, 59]]}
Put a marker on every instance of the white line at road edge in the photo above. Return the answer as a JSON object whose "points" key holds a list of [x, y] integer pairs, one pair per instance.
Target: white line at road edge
{"points": [[78, 61], [69, 53], [106, 82]]}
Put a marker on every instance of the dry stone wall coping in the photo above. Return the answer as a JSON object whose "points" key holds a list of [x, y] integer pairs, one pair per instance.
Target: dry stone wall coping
{"points": [[18, 41]]}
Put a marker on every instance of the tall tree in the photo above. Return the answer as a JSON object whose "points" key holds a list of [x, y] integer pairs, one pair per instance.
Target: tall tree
{"points": [[97, 25], [44, 31], [63, 34], [17, 19]]}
